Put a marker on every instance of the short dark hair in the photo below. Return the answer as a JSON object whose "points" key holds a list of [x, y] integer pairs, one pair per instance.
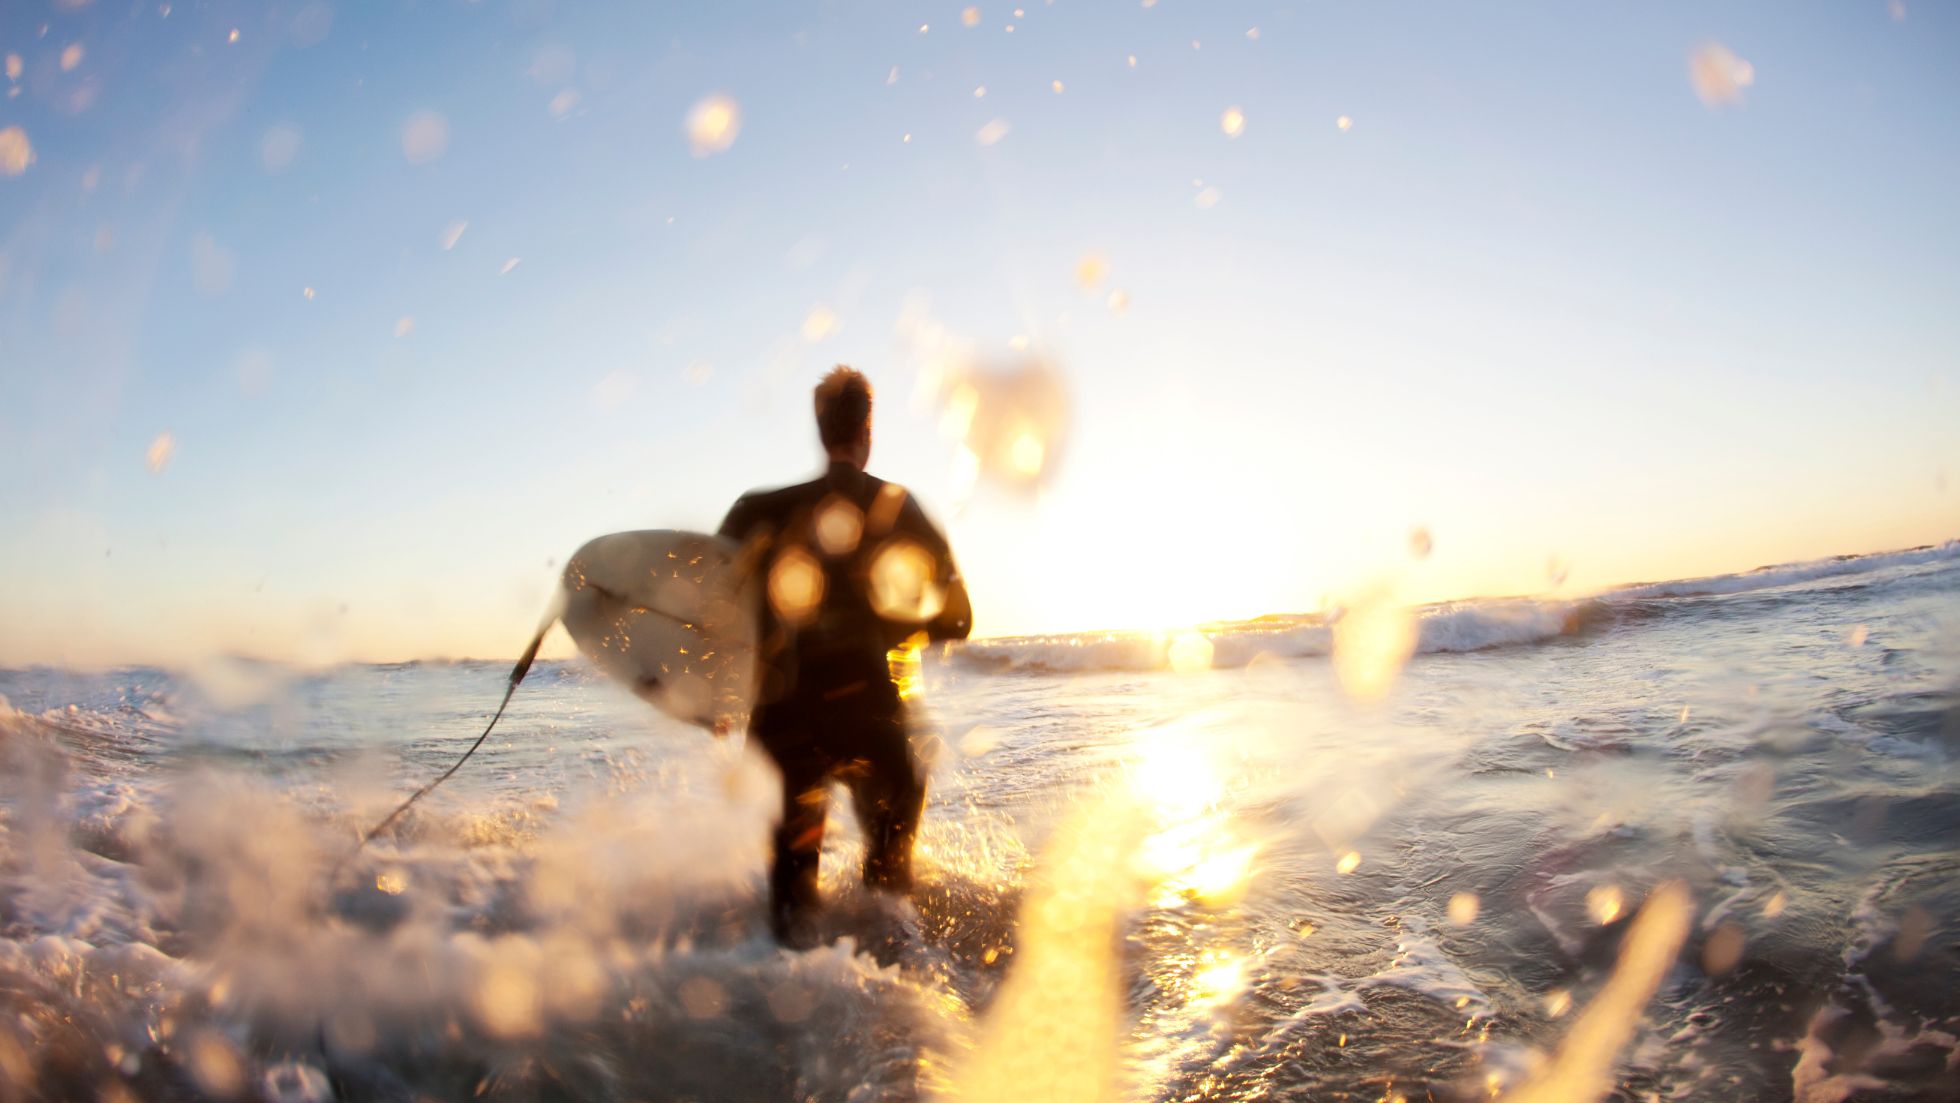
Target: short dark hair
{"points": [[843, 407]]}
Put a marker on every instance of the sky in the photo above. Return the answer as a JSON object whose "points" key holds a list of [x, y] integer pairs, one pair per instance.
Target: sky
{"points": [[328, 330]]}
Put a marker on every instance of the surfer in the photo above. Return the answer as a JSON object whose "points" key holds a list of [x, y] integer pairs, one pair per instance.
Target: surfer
{"points": [[854, 569]]}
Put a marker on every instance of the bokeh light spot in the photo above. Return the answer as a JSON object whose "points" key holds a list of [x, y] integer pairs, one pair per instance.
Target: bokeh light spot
{"points": [[796, 586], [903, 582]]}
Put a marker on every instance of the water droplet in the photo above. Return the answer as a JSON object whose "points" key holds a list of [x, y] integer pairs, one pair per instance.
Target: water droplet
{"points": [[161, 449], [279, 147], [1091, 270], [1603, 903], [1189, 653], [713, 124], [820, 323], [1718, 75], [425, 137], [1722, 950]]}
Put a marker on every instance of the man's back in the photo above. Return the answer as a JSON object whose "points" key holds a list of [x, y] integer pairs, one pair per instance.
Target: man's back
{"points": [[853, 568]]}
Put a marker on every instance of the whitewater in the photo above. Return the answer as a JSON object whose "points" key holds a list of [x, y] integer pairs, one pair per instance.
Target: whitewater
{"points": [[1191, 865]]}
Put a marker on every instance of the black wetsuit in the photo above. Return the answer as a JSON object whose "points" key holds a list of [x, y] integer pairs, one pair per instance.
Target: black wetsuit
{"points": [[827, 707]]}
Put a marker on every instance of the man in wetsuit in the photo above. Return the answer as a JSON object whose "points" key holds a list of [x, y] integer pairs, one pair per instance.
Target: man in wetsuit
{"points": [[852, 569]]}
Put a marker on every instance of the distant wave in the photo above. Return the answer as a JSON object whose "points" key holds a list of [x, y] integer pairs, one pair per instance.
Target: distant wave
{"points": [[1454, 627], [1457, 626], [1789, 574]]}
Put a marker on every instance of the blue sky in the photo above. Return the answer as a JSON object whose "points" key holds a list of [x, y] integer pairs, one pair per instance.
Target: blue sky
{"points": [[1538, 297]]}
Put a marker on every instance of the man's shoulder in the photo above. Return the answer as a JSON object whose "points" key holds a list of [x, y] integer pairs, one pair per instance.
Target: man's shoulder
{"points": [[767, 501]]}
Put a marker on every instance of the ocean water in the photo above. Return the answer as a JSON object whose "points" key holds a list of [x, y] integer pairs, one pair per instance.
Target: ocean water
{"points": [[1249, 862]]}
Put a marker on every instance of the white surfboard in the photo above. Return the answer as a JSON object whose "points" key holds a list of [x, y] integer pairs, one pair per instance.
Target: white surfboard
{"points": [[673, 616]]}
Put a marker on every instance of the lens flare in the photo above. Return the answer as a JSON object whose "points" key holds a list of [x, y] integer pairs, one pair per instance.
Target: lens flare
{"points": [[1232, 122]]}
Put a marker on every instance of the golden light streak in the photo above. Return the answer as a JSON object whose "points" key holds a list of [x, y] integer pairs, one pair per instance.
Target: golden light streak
{"points": [[391, 881], [993, 132], [1232, 122], [1343, 123], [1582, 1069], [1463, 908], [453, 233], [970, 17], [1349, 862], [1119, 301]]}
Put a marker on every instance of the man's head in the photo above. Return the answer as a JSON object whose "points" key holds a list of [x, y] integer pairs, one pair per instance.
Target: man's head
{"points": [[844, 416]]}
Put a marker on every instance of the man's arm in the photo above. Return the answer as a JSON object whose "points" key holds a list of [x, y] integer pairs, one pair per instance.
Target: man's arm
{"points": [[955, 619]]}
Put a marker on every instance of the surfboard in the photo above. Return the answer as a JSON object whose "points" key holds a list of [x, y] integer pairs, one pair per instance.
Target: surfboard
{"points": [[673, 616]]}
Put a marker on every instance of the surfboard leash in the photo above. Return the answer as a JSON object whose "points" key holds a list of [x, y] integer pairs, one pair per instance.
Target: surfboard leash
{"points": [[517, 674]]}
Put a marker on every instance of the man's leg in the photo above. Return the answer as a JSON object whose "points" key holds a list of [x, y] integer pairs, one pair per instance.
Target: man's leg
{"points": [[889, 793], [797, 849]]}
